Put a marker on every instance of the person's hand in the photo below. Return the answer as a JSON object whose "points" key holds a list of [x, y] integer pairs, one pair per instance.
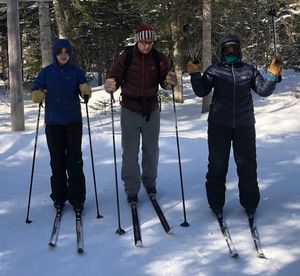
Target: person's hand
{"points": [[38, 96], [275, 67], [193, 67], [110, 85], [85, 91], [171, 78]]}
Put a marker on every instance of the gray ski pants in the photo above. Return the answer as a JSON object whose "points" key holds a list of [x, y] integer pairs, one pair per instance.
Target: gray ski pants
{"points": [[134, 126]]}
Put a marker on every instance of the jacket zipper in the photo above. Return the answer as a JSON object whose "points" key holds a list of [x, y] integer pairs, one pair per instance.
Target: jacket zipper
{"points": [[234, 92]]}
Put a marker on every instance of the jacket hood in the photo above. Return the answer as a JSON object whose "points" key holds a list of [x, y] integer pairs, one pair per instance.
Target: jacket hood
{"points": [[226, 40], [61, 43]]}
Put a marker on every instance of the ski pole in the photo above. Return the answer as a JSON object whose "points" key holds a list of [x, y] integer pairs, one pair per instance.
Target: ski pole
{"points": [[86, 98], [185, 29], [119, 231], [185, 223], [272, 12], [33, 163]]}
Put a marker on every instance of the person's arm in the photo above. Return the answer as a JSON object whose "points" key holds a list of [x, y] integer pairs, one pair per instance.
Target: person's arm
{"points": [[38, 90], [115, 78], [84, 87], [118, 70], [40, 81], [265, 86], [202, 85], [164, 70]]}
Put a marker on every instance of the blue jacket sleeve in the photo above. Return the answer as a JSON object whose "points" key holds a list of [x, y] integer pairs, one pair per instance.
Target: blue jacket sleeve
{"points": [[81, 80], [81, 77], [264, 86], [39, 82], [202, 85]]}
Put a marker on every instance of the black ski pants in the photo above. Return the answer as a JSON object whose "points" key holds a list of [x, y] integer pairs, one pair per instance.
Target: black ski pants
{"points": [[67, 180], [244, 150]]}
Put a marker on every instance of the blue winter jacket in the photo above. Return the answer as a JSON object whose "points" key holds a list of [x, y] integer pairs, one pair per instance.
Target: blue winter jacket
{"points": [[62, 102]]}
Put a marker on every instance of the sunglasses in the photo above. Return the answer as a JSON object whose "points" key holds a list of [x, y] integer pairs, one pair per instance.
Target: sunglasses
{"points": [[231, 49]]}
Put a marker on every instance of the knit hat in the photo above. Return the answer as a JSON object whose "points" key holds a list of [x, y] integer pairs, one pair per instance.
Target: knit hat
{"points": [[144, 32]]}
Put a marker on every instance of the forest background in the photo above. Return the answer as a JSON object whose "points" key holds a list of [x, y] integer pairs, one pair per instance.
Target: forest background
{"points": [[98, 30]]}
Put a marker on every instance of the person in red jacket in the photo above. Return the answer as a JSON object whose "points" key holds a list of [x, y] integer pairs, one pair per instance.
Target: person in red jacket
{"points": [[139, 77]]}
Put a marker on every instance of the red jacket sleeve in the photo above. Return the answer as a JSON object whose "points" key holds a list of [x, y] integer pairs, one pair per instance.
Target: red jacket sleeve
{"points": [[118, 70], [164, 69]]}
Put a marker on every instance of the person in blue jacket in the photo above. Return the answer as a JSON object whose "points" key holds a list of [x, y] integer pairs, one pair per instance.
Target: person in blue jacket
{"points": [[231, 120], [60, 85]]}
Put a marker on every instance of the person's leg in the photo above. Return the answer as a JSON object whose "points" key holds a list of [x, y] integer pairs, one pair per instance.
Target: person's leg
{"points": [[245, 157], [131, 128], [150, 148], [56, 145], [74, 163], [219, 144]]}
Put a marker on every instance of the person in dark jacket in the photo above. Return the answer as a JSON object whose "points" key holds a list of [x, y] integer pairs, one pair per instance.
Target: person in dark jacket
{"points": [[140, 114], [231, 120], [60, 85]]}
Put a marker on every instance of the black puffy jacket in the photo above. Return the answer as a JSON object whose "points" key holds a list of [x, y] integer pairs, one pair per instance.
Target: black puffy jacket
{"points": [[232, 104]]}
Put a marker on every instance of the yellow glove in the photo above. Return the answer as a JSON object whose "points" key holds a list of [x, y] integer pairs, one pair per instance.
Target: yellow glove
{"points": [[38, 96], [110, 85], [171, 78], [276, 65], [85, 90], [192, 67]]}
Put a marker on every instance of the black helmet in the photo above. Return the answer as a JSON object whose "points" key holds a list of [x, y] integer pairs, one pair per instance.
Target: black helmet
{"points": [[230, 40]]}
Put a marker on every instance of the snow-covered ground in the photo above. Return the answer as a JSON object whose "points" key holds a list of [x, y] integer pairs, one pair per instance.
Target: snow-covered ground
{"points": [[196, 250]]}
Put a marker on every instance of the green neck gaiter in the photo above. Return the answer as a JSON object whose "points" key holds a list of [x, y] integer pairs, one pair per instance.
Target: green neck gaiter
{"points": [[231, 58]]}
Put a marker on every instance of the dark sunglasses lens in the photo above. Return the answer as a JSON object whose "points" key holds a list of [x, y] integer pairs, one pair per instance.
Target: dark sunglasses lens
{"points": [[232, 49]]}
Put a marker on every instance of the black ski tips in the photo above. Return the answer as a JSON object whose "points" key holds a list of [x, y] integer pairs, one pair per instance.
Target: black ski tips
{"points": [[136, 225]]}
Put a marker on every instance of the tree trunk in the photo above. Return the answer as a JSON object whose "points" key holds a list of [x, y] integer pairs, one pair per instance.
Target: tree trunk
{"points": [[178, 89], [45, 33], [15, 66], [206, 48], [60, 19]]}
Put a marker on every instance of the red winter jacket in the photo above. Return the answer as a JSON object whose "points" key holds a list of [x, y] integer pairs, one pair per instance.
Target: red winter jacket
{"points": [[141, 78]]}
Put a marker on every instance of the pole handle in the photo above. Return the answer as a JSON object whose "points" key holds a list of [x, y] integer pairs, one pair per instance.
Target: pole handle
{"points": [[272, 12], [86, 98]]}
